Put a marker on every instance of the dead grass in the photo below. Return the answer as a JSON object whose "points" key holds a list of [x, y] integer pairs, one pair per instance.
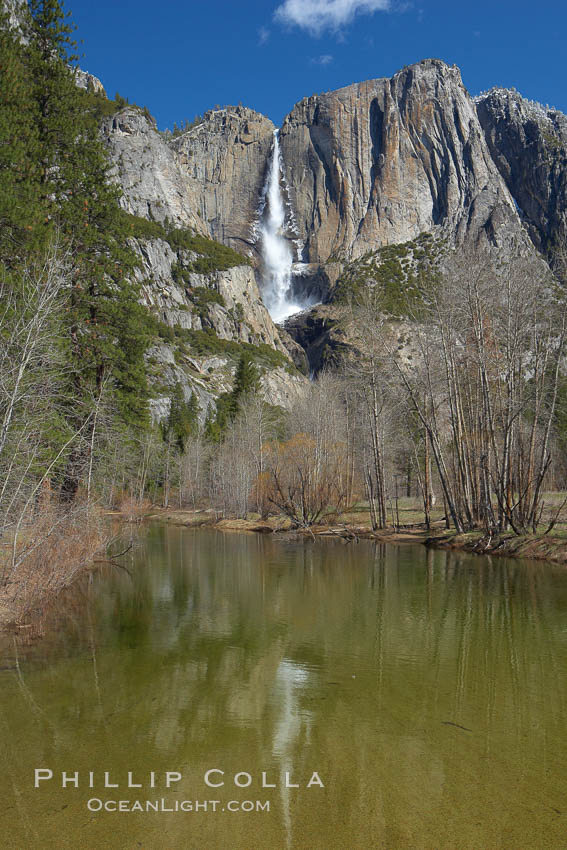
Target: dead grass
{"points": [[529, 546], [192, 518], [130, 508], [354, 523], [45, 557]]}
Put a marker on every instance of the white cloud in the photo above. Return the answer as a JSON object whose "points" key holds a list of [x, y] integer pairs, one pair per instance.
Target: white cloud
{"points": [[263, 35], [318, 15], [325, 59]]}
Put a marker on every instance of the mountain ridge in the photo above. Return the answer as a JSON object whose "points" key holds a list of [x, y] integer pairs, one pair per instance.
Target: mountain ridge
{"points": [[369, 165]]}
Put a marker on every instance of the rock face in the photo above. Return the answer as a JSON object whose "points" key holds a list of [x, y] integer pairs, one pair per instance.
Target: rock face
{"points": [[147, 169], [237, 315], [209, 179], [88, 82], [528, 143], [16, 11], [321, 333], [224, 161], [382, 161], [370, 165], [314, 280]]}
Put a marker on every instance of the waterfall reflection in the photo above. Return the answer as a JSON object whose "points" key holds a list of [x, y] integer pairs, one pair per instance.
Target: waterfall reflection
{"points": [[427, 688]]}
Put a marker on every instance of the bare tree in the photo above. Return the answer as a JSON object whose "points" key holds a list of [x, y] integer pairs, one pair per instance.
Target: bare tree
{"points": [[193, 465], [484, 386], [47, 542], [302, 484], [377, 404]]}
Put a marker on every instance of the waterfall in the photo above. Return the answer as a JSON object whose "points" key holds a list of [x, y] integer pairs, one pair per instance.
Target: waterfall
{"points": [[277, 257]]}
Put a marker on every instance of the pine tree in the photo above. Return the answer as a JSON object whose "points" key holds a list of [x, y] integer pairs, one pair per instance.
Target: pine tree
{"points": [[59, 115], [246, 378], [20, 212], [226, 410], [212, 431], [246, 382], [108, 328], [193, 410], [183, 421], [54, 184]]}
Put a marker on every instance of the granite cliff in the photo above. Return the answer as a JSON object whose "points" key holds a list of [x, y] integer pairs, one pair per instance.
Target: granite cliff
{"points": [[197, 184], [206, 321], [209, 179], [153, 184], [224, 161], [528, 143], [382, 161], [372, 165]]}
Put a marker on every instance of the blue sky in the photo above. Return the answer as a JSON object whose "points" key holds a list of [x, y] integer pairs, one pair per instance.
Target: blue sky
{"points": [[182, 58]]}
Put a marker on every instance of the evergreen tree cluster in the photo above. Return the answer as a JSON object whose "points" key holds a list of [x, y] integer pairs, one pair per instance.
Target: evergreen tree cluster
{"points": [[184, 127], [54, 185], [60, 214], [246, 383], [54, 190], [183, 420]]}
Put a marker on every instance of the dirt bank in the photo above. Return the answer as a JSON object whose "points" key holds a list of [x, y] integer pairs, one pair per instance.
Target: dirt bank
{"points": [[542, 548], [530, 546]]}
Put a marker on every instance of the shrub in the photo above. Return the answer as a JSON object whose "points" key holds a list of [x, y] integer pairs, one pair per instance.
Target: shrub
{"points": [[212, 255], [399, 271]]}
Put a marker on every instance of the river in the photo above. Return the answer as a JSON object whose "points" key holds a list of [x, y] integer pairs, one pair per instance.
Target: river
{"points": [[425, 691]]}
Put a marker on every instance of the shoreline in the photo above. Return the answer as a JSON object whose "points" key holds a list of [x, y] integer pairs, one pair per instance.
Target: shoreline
{"points": [[280, 526], [528, 547]]}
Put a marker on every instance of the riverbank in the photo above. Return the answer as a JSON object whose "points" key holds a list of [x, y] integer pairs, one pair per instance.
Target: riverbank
{"points": [[530, 547], [45, 558], [280, 525], [351, 528]]}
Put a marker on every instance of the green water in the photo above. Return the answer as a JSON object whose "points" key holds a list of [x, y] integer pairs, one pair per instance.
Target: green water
{"points": [[246, 654]]}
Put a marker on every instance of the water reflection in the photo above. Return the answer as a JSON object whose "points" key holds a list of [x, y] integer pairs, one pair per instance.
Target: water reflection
{"points": [[427, 689]]}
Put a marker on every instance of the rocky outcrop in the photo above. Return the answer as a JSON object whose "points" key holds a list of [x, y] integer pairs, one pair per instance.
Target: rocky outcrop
{"points": [[209, 179], [154, 186], [238, 314], [235, 314], [528, 143], [201, 181], [209, 377], [223, 161], [382, 161], [16, 12], [314, 282], [321, 332], [88, 82]]}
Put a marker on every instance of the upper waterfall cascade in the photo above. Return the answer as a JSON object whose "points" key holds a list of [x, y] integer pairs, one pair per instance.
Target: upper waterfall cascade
{"points": [[276, 249]]}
